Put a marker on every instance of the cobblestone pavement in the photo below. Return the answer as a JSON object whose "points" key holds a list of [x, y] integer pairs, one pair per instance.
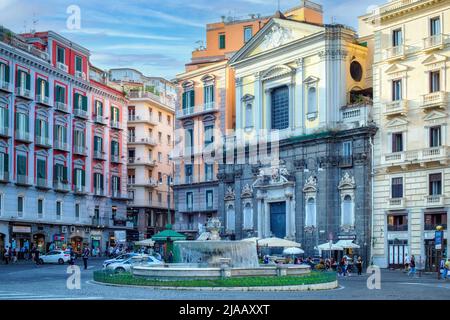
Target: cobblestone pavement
{"points": [[25, 281]]}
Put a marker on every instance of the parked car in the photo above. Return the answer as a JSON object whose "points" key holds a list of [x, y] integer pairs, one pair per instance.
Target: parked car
{"points": [[55, 256], [125, 266], [120, 258]]}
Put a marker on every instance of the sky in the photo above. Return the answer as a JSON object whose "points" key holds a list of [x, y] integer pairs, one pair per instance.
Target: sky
{"points": [[153, 36]]}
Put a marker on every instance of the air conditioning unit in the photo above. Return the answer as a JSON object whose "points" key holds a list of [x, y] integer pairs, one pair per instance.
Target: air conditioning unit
{"points": [[72, 229], [64, 229], [62, 66]]}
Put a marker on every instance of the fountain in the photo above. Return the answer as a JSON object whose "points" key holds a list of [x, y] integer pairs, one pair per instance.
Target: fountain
{"points": [[208, 257]]}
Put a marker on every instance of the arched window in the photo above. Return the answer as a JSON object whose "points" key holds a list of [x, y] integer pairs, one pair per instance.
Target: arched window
{"points": [[248, 216], [310, 212], [248, 115], [347, 211], [312, 101], [230, 218]]}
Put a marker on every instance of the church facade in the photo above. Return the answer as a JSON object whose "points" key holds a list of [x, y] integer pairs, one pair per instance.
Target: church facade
{"points": [[307, 83]]}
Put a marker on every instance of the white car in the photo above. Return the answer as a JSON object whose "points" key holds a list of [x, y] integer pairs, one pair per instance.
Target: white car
{"points": [[120, 258], [55, 256], [125, 266]]}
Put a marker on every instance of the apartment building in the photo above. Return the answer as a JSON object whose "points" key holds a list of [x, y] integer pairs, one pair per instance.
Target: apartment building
{"points": [[62, 146], [410, 44], [150, 132]]}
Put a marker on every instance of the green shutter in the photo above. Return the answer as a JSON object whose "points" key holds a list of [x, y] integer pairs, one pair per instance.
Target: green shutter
{"points": [[78, 66], [47, 93], [46, 129], [7, 73], [84, 102], [192, 98], [75, 101], [18, 77], [37, 128], [184, 106], [28, 81], [41, 169], [57, 94], [74, 176], [83, 178], [21, 165], [65, 174], [101, 181], [6, 162], [38, 87]]}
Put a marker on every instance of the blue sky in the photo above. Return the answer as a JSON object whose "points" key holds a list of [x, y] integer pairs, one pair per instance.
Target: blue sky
{"points": [[154, 36]]}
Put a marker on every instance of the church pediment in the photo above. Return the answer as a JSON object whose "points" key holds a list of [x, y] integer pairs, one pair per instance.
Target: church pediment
{"points": [[276, 71], [276, 33]]}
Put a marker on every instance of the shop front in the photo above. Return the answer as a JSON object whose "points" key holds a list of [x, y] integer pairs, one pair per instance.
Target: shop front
{"points": [[21, 237], [96, 240], [77, 244], [59, 241], [39, 242]]}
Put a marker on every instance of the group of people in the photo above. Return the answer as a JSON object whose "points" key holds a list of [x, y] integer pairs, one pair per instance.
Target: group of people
{"points": [[12, 255]]}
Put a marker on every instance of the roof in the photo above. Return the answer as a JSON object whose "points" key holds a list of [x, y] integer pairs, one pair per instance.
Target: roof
{"points": [[173, 235]]}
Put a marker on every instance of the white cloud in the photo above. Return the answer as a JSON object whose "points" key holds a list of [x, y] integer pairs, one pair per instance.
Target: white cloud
{"points": [[119, 34]]}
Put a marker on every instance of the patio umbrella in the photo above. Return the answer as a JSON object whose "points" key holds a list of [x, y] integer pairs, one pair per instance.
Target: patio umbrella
{"points": [[274, 242], [327, 246], [145, 243], [253, 239], [293, 251], [347, 244]]}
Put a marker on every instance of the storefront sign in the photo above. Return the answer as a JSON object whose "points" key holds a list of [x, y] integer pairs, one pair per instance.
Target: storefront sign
{"points": [[438, 236], [21, 229], [346, 237]]}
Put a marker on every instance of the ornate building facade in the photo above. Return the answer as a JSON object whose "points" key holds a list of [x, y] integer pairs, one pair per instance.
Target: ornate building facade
{"points": [[410, 45], [307, 83]]}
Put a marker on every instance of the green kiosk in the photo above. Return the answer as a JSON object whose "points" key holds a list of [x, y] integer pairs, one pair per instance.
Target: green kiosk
{"points": [[164, 241]]}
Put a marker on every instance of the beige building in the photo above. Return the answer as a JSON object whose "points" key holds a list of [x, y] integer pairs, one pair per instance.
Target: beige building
{"points": [[411, 48], [150, 135]]}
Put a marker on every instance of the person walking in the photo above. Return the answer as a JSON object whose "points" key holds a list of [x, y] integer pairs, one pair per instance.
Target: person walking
{"points": [[6, 255], [36, 255], [406, 262], [412, 266], [359, 264], [85, 257], [445, 266]]}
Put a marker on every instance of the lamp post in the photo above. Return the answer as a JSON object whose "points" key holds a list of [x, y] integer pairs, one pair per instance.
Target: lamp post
{"points": [[169, 216], [438, 242]]}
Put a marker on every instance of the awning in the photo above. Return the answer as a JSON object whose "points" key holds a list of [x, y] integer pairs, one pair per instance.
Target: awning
{"points": [[168, 234], [347, 244]]}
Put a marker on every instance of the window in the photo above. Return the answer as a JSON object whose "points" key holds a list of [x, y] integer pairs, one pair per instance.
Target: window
{"points": [[397, 38], [131, 178], [20, 202], [280, 108], [248, 217], [169, 120], [98, 108], [132, 113], [397, 188], [115, 149], [397, 222], [115, 185], [40, 210], [160, 117], [397, 142], [80, 102], [98, 144], [22, 167], [60, 133], [131, 134], [41, 129], [189, 141], [188, 172], [169, 140], [435, 81], [248, 116], [432, 220], [347, 211], [189, 201], [188, 100], [248, 33], [4, 73], [435, 137], [60, 173], [98, 183], [159, 137], [209, 172], [347, 149], [312, 103], [42, 88], [79, 177], [4, 166], [435, 26], [78, 65], [23, 80], [4, 117], [160, 179], [159, 194], [22, 125], [435, 184], [60, 94], [41, 168], [60, 55], [208, 97], [209, 134], [222, 41], [396, 90], [1, 204], [310, 212], [79, 138], [77, 212], [231, 218], [159, 157]]}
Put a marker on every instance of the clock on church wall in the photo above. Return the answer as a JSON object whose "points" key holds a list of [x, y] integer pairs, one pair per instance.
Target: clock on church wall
{"points": [[356, 71]]}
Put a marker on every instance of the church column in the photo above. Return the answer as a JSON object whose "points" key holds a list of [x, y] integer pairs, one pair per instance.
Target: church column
{"points": [[288, 216], [257, 105], [239, 124], [299, 105], [267, 219], [260, 216], [267, 111]]}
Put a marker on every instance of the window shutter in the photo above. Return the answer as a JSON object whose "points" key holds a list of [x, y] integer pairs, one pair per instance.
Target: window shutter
{"points": [[74, 177], [184, 106], [28, 81], [7, 73], [65, 174], [41, 169], [101, 181], [192, 98], [84, 102], [6, 162], [5, 117], [75, 100], [37, 128], [83, 178], [47, 94], [38, 87], [21, 165], [95, 180], [18, 78], [27, 125]]}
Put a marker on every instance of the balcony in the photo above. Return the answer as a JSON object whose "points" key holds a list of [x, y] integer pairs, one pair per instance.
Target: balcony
{"points": [[42, 183], [434, 100], [115, 158], [141, 119], [99, 119], [81, 75], [43, 142], [23, 93], [100, 222], [5, 86], [115, 124], [99, 192], [117, 195], [395, 53], [194, 179], [144, 141], [434, 201], [23, 136], [396, 203], [4, 132], [61, 186], [432, 227], [345, 161], [186, 227], [396, 108], [62, 66], [161, 98], [420, 156], [435, 42], [146, 183], [197, 208], [23, 180], [80, 150], [397, 227], [356, 115], [4, 176], [79, 190], [62, 106], [141, 162], [80, 113], [99, 155], [43, 100], [61, 145], [198, 110]]}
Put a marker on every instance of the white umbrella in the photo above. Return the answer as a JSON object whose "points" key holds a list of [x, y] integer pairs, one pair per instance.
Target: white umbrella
{"points": [[347, 244], [145, 243], [293, 251], [254, 239], [277, 242], [327, 246]]}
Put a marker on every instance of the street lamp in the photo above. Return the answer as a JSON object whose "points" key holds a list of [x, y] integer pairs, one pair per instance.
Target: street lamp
{"points": [[169, 217]]}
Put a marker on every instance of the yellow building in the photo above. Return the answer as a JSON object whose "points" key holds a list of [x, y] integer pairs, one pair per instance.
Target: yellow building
{"points": [[410, 44]]}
